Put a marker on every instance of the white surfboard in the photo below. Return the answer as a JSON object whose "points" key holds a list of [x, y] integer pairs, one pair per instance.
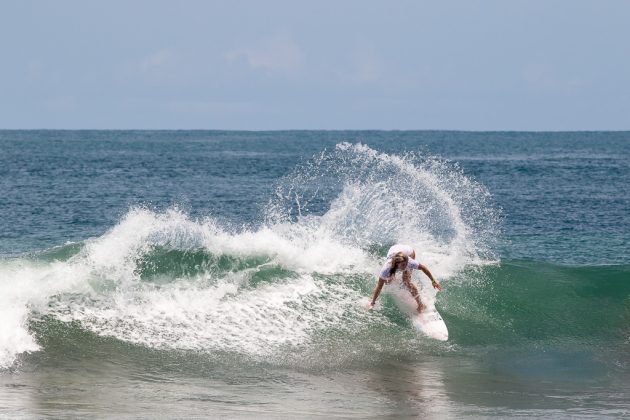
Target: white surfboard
{"points": [[429, 322]]}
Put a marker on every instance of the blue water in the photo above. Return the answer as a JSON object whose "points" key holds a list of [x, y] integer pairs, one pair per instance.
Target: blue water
{"points": [[565, 196], [224, 271]]}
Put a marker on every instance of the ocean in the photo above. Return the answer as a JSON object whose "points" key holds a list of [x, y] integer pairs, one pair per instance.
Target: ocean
{"points": [[170, 274]]}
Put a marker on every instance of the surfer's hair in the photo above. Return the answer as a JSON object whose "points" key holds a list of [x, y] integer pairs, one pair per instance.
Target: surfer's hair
{"points": [[397, 258]]}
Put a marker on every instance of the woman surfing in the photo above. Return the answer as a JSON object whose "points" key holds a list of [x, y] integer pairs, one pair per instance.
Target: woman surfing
{"points": [[402, 258]]}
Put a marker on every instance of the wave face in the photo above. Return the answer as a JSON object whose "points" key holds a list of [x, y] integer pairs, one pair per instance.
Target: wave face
{"points": [[299, 279], [528, 302]]}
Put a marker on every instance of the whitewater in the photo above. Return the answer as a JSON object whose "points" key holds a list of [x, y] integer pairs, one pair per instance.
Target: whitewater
{"points": [[254, 291]]}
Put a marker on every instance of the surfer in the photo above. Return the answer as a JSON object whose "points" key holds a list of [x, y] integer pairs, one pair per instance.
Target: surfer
{"points": [[402, 258]]}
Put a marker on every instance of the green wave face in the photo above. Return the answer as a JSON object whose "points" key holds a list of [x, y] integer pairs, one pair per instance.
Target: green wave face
{"points": [[528, 301], [507, 304]]}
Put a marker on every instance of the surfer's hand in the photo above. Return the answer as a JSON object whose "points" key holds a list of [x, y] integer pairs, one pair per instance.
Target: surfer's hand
{"points": [[370, 306], [421, 307], [436, 285]]}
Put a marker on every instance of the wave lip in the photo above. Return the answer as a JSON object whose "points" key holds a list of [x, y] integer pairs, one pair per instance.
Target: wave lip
{"points": [[25, 288], [14, 334]]}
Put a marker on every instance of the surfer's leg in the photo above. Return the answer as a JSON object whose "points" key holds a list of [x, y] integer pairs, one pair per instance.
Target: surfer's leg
{"points": [[406, 277]]}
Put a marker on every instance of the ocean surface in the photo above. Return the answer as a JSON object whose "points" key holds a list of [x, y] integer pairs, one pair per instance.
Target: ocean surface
{"points": [[150, 274]]}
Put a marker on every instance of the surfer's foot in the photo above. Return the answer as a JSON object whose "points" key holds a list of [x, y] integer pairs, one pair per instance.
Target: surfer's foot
{"points": [[421, 308]]}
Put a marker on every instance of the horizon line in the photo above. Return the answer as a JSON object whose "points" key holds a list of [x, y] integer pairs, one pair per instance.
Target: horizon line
{"points": [[329, 130]]}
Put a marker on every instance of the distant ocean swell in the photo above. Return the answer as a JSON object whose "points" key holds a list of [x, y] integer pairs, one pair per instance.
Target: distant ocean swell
{"points": [[300, 278]]}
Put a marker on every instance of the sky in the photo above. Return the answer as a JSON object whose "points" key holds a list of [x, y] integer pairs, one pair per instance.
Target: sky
{"points": [[343, 64]]}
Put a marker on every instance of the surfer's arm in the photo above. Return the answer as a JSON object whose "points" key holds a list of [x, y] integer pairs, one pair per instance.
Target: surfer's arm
{"points": [[426, 271], [377, 291]]}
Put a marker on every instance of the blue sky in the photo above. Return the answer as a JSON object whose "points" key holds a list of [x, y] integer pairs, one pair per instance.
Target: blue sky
{"points": [[464, 65]]}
